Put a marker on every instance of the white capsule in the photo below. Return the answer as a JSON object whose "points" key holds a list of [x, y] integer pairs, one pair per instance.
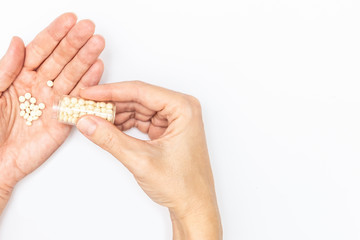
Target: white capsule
{"points": [[28, 123], [32, 106], [27, 95], [21, 99], [38, 113], [27, 110], [50, 83], [22, 106], [26, 115], [35, 118], [41, 106], [22, 113], [32, 100]]}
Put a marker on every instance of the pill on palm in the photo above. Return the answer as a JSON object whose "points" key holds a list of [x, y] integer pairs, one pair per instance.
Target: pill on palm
{"points": [[50, 83], [29, 110], [41, 106], [27, 96]]}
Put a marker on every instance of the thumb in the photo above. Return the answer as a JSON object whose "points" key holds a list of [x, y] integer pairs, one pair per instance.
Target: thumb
{"points": [[126, 149], [12, 63]]}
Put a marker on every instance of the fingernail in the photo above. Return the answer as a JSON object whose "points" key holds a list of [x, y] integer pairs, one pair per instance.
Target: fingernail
{"points": [[87, 126]]}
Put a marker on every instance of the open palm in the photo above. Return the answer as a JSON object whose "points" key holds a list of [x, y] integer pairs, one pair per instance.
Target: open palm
{"points": [[65, 52]]}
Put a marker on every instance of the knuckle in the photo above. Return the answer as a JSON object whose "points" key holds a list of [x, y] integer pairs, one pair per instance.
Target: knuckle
{"points": [[190, 106], [108, 141], [138, 83]]}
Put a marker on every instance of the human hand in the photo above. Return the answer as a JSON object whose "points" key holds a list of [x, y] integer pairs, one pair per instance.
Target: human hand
{"points": [[173, 168], [66, 52]]}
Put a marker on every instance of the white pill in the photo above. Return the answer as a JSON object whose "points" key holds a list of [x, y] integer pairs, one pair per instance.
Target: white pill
{"points": [[21, 99], [110, 118], [109, 106], [27, 110], [32, 100], [81, 101], [102, 104], [28, 123], [73, 100], [22, 113], [29, 119], [27, 95], [27, 103], [22, 106], [66, 100], [26, 115], [50, 83], [32, 113], [41, 106], [35, 118], [109, 111], [32, 106], [38, 113], [36, 107]]}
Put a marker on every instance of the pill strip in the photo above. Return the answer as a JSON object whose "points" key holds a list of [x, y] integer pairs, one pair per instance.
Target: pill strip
{"points": [[71, 109], [29, 110]]}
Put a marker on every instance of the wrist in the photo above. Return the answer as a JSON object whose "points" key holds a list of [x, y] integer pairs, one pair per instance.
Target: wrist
{"points": [[202, 223]]}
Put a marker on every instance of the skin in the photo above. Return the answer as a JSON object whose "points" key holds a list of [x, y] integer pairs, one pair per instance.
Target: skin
{"points": [[67, 52], [173, 168]]}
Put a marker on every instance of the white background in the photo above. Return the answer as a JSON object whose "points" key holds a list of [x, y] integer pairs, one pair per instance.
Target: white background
{"points": [[279, 85]]}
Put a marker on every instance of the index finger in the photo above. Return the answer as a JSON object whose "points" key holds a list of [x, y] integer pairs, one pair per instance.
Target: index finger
{"points": [[150, 96], [45, 42]]}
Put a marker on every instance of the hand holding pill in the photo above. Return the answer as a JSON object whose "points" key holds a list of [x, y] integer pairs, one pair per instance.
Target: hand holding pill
{"points": [[172, 168], [60, 60]]}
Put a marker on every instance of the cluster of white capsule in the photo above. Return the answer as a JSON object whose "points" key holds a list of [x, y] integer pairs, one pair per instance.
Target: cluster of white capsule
{"points": [[29, 110], [72, 108]]}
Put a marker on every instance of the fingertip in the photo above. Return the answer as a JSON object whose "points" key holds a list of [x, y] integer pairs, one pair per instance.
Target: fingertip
{"points": [[68, 19], [98, 42], [87, 25]]}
